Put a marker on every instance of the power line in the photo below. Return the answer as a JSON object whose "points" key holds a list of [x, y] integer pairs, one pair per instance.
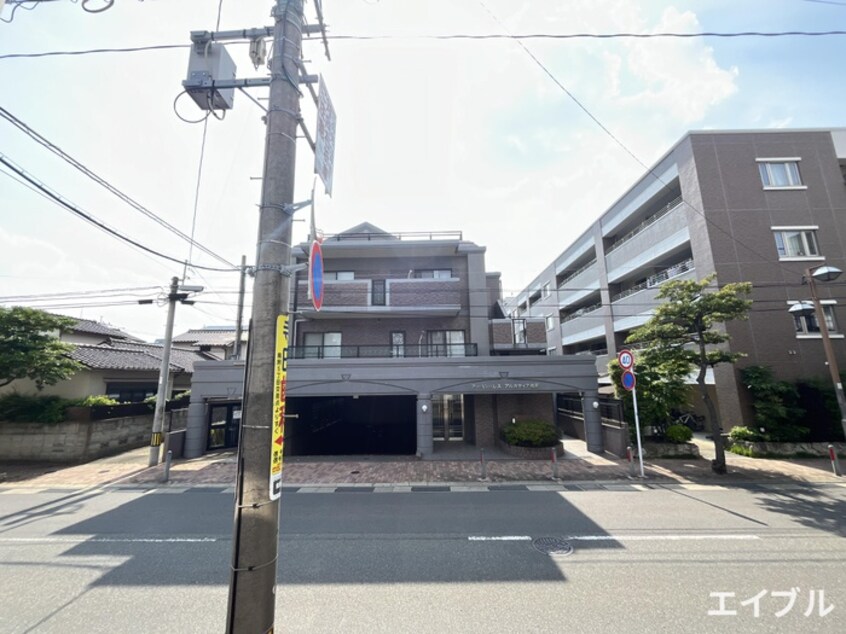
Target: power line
{"points": [[80, 294], [44, 142], [91, 219], [468, 37]]}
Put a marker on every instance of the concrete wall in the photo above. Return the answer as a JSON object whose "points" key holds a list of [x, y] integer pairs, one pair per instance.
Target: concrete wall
{"points": [[78, 441]]}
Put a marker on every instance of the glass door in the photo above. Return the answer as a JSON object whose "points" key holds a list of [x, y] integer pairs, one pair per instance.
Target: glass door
{"points": [[448, 417]]}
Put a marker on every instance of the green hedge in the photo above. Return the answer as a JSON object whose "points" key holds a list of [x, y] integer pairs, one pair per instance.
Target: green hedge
{"points": [[17, 408], [530, 433], [678, 434]]}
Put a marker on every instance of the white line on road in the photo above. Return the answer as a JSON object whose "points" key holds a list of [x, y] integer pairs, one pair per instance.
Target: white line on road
{"points": [[614, 538], [107, 540]]}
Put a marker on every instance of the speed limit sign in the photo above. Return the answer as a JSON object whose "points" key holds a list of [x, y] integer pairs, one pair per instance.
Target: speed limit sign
{"points": [[626, 359]]}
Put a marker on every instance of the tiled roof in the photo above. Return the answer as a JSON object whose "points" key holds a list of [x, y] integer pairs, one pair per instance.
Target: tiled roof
{"points": [[135, 356], [209, 337], [92, 327]]}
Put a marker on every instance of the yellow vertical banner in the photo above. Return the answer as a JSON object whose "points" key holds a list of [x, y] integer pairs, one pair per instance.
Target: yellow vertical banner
{"points": [[280, 369]]}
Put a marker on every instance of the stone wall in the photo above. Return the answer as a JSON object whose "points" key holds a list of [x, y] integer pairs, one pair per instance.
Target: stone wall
{"points": [[74, 441]]}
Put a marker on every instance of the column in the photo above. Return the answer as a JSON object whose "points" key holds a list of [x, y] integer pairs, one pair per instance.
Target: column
{"points": [[593, 421], [195, 427], [425, 443]]}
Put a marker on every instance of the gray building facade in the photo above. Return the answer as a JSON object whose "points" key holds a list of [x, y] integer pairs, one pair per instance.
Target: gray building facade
{"points": [[411, 350], [751, 206]]}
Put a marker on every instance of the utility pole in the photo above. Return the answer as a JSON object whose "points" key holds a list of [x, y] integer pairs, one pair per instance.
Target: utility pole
{"points": [[252, 589], [240, 318], [164, 375]]}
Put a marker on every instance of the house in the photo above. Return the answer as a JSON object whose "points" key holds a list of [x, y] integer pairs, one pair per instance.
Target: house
{"points": [[217, 341], [116, 364], [411, 353], [749, 206]]}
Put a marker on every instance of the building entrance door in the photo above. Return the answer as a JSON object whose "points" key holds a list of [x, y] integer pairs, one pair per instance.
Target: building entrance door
{"points": [[224, 424], [448, 417]]}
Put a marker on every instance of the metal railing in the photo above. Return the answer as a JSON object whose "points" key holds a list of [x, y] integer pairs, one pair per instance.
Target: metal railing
{"points": [[657, 279], [405, 235], [663, 211], [581, 312], [385, 351], [579, 270]]}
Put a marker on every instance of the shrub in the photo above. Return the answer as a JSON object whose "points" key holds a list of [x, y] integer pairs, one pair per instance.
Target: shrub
{"points": [[530, 433], [92, 401], [17, 408], [678, 434], [746, 434], [776, 405]]}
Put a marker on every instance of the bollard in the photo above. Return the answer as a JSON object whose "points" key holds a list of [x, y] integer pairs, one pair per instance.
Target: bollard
{"points": [[835, 462], [630, 458], [554, 464], [168, 458], [484, 464]]}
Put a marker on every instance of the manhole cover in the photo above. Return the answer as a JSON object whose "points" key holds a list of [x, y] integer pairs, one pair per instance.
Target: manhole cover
{"points": [[552, 546]]}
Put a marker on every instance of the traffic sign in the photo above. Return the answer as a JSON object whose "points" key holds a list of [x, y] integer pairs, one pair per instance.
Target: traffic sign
{"points": [[315, 275], [626, 359], [324, 152], [628, 380]]}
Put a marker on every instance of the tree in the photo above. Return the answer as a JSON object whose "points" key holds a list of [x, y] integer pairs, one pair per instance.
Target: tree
{"points": [[30, 350], [683, 332]]}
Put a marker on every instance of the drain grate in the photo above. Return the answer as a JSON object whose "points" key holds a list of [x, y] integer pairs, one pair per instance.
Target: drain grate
{"points": [[552, 546]]}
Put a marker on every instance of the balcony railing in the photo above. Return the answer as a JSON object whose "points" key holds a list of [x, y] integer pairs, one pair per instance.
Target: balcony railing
{"points": [[406, 235], [386, 351], [572, 275], [657, 279], [581, 312], [663, 211]]}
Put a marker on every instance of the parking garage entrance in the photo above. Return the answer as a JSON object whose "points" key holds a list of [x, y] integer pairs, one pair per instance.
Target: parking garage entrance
{"points": [[350, 425]]}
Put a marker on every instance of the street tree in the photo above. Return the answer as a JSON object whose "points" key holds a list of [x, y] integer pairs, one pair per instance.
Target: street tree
{"points": [[686, 332], [30, 349]]}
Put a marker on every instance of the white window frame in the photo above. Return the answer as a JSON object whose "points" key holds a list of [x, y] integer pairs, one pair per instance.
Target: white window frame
{"points": [[545, 291], [828, 306], [766, 173], [808, 229], [340, 276], [550, 322]]}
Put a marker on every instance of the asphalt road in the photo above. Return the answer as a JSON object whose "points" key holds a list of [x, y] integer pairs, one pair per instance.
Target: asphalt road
{"points": [[641, 561]]}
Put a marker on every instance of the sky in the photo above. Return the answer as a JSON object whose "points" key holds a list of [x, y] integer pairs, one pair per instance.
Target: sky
{"points": [[432, 134]]}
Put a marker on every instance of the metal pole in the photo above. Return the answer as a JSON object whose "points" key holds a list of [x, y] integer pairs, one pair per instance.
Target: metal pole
{"points": [[554, 464], [484, 464], [630, 460], [164, 371], [835, 462], [239, 323], [829, 351], [637, 431], [168, 458], [252, 588]]}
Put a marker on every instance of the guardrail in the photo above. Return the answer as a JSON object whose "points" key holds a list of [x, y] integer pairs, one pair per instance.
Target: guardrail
{"points": [[385, 352]]}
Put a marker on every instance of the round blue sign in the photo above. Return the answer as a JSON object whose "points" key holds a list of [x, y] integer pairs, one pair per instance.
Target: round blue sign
{"points": [[315, 275], [628, 380]]}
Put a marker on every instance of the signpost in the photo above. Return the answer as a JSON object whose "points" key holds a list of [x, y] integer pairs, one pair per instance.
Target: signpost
{"points": [[324, 152], [315, 275], [280, 370], [629, 382]]}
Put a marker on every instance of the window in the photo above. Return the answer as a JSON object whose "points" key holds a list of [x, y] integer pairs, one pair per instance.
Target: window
{"points": [[808, 325], [339, 275], [445, 343], [438, 274], [519, 327], [796, 243], [377, 292], [322, 345], [779, 173], [545, 290], [550, 322], [398, 344]]}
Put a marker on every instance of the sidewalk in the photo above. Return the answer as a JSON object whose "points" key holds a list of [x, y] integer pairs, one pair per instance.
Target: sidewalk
{"points": [[577, 466]]}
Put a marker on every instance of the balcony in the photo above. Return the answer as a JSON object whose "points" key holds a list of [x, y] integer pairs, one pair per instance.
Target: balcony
{"points": [[401, 297], [633, 307], [585, 323], [579, 284], [513, 336], [657, 279], [660, 233], [385, 352]]}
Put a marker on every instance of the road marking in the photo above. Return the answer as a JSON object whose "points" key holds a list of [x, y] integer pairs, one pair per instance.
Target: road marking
{"points": [[614, 538], [108, 540]]}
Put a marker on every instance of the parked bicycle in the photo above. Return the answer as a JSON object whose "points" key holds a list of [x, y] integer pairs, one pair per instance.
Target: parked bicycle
{"points": [[690, 420]]}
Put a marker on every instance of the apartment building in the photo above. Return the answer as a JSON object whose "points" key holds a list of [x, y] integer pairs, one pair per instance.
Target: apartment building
{"points": [[757, 206], [411, 353]]}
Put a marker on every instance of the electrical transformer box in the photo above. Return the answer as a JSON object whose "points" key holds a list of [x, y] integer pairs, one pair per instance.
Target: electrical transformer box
{"points": [[210, 63]]}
